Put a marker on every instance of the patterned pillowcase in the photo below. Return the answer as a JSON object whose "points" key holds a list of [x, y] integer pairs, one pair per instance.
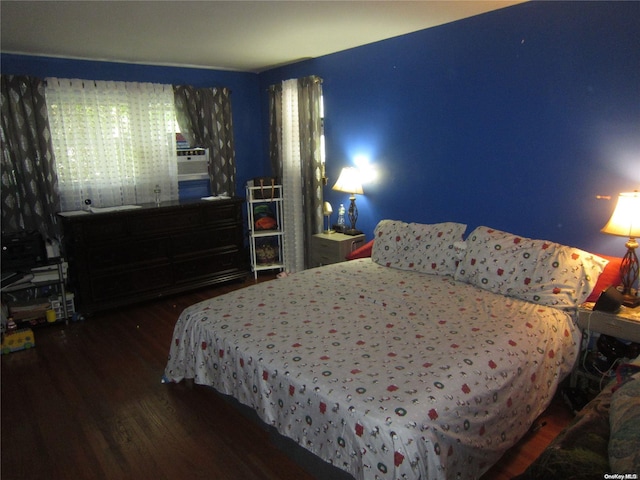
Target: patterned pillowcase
{"points": [[538, 271], [426, 248]]}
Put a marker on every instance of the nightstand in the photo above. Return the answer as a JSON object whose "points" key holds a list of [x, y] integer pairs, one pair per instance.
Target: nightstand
{"points": [[327, 248], [624, 324]]}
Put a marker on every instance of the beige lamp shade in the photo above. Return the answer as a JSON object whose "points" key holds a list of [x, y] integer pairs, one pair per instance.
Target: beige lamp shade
{"points": [[625, 221], [349, 181]]}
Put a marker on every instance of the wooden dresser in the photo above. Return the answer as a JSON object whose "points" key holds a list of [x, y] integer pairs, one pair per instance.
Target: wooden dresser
{"points": [[121, 257]]}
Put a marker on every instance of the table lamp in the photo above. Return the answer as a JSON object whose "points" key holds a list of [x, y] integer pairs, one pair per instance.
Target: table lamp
{"points": [[327, 210], [349, 182], [625, 222]]}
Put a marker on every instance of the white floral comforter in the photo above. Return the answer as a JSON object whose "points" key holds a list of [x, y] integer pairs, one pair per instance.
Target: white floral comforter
{"points": [[381, 372]]}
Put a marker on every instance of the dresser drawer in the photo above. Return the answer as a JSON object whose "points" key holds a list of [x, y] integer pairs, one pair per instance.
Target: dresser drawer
{"points": [[318, 259], [202, 240], [222, 214], [203, 266], [130, 283], [180, 220], [100, 230], [119, 255]]}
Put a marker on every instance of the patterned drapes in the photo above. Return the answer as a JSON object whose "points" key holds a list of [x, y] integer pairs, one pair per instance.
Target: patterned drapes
{"points": [[29, 181], [275, 129], [310, 124], [309, 129], [204, 116]]}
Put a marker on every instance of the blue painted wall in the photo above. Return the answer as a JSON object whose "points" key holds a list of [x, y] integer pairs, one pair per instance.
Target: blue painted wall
{"points": [[514, 119]]}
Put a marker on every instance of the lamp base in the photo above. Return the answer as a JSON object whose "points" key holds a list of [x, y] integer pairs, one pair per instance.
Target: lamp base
{"points": [[629, 273]]}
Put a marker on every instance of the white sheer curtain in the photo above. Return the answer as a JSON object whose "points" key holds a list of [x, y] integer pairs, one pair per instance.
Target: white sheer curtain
{"points": [[292, 179], [113, 141]]}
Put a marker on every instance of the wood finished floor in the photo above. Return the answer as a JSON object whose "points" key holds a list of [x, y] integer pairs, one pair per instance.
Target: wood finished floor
{"points": [[87, 403]]}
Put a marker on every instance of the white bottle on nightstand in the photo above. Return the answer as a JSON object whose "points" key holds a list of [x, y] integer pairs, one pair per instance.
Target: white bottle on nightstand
{"points": [[341, 211]]}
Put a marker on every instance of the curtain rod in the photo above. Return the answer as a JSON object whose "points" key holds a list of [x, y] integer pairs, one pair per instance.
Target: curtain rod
{"points": [[315, 78], [84, 80]]}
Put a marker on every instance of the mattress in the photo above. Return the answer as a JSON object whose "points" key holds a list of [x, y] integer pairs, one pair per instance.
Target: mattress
{"points": [[381, 372]]}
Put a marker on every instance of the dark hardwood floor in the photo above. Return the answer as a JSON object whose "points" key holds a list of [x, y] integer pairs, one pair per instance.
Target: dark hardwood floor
{"points": [[88, 403]]}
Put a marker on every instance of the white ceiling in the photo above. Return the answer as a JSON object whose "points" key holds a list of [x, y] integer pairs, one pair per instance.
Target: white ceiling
{"points": [[250, 36]]}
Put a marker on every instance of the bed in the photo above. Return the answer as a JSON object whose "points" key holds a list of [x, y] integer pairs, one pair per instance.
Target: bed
{"points": [[426, 361]]}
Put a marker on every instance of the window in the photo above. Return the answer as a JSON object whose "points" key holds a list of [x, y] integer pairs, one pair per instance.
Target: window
{"points": [[113, 141]]}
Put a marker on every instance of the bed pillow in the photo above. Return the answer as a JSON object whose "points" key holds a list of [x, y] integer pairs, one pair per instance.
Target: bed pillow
{"points": [[538, 271], [361, 252], [610, 276], [426, 248]]}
